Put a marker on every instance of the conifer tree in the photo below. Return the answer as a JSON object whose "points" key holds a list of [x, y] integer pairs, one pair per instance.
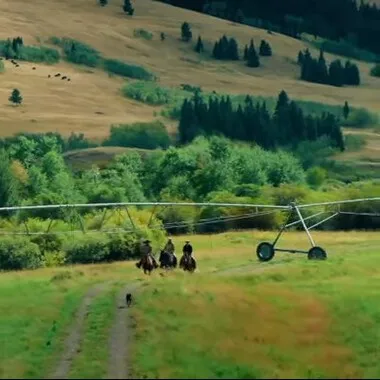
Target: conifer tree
{"points": [[103, 2], [128, 8], [15, 97], [186, 32], [199, 46], [346, 110], [300, 58], [253, 58], [322, 74], [232, 50], [245, 56], [265, 49]]}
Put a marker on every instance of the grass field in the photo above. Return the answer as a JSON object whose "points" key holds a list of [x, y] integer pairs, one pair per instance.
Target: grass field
{"points": [[92, 101], [234, 317]]}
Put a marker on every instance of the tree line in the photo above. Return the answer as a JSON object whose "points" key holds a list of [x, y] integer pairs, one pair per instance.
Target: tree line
{"points": [[252, 122], [335, 74], [340, 19]]}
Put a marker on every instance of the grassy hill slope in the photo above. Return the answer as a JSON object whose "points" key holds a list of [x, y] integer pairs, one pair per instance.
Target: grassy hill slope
{"points": [[92, 100]]}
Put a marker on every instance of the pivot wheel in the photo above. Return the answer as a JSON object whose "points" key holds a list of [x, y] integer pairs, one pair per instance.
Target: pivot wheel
{"points": [[265, 251], [317, 253]]}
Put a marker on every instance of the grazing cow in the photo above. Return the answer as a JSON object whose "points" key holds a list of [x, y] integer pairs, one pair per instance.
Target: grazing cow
{"points": [[57, 75], [17, 65], [69, 79], [49, 76], [63, 78], [128, 299], [33, 68]]}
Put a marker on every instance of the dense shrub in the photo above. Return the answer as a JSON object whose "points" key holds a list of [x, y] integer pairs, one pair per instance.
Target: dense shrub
{"points": [[375, 71], [78, 52], [128, 70], [19, 253], [361, 118], [88, 249], [30, 53], [139, 135], [142, 33], [48, 242]]}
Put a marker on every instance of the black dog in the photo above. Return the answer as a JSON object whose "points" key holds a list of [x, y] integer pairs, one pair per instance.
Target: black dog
{"points": [[128, 299]]}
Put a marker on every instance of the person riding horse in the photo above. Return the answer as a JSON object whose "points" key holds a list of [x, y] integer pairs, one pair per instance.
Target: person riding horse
{"points": [[187, 249], [146, 250], [169, 247]]}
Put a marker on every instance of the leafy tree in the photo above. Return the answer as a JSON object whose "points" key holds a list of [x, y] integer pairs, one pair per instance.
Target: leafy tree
{"points": [[103, 2], [186, 32], [9, 188], [128, 8], [199, 46], [16, 97]]}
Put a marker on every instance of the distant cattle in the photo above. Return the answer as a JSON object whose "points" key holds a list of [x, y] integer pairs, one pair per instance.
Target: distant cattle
{"points": [[33, 68], [64, 77], [68, 79], [57, 75], [49, 76]]}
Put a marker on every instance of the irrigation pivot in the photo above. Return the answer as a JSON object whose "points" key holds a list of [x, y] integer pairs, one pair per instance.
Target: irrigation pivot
{"points": [[266, 251]]}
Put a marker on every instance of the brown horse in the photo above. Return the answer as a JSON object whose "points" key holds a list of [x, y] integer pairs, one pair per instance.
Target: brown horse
{"points": [[188, 263], [148, 264]]}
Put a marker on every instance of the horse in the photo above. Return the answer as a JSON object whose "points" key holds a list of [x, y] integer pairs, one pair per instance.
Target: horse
{"points": [[188, 263], [167, 260], [148, 264]]}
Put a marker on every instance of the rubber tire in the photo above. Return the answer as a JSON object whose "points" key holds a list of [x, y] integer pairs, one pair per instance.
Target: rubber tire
{"points": [[317, 253], [260, 247]]}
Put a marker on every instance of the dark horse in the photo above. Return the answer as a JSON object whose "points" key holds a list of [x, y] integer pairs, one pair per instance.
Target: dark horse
{"points": [[167, 260], [148, 264], [188, 263]]}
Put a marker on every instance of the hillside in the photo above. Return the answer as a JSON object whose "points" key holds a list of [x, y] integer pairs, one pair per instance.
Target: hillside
{"points": [[92, 101]]}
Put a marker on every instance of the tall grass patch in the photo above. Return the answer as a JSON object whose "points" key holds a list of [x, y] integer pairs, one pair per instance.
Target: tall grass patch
{"points": [[128, 70], [344, 48]]}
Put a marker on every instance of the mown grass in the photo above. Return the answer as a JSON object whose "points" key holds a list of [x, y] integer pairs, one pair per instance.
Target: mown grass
{"points": [[172, 99], [286, 318]]}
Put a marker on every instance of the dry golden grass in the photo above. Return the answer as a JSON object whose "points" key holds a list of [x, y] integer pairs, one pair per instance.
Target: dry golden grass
{"points": [[54, 105]]}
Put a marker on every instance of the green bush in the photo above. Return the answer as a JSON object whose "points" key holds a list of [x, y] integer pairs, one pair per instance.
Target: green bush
{"points": [[32, 53], [139, 135], [375, 71], [48, 242], [354, 142], [78, 52], [128, 70], [2, 67], [360, 118], [88, 249], [54, 259], [142, 33], [152, 93], [19, 253]]}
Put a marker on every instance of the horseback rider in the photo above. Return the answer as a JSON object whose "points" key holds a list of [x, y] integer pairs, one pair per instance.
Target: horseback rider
{"points": [[169, 247], [187, 249], [145, 251]]}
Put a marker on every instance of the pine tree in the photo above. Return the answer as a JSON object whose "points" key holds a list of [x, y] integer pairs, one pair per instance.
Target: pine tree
{"points": [[336, 73], [186, 32], [216, 50], [300, 58], [199, 46], [245, 56], [322, 74], [265, 50], [232, 50], [15, 97], [103, 2], [253, 58], [128, 8], [346, 110]]}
